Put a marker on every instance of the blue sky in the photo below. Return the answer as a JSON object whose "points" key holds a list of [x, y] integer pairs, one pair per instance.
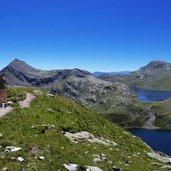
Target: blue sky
{"points": [[95, 35]]}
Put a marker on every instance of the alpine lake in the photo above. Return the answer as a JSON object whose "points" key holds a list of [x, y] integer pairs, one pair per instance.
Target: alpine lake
{"points": [[159, 139]]}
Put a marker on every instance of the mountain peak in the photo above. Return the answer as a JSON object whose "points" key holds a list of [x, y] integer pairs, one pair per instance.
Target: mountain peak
{"points": [[17, 61], [157, 64], [20, 65]]}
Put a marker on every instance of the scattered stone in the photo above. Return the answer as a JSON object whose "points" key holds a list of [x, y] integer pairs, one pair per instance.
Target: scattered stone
{"points": [[38, 92], [20, 159], [13, 158], [103, 155], [67, 112], [50, 110], [50, 95], [2, 157], [99, 158], [110, 162], [71, 167], [48, 126], [128, 162], [96, 155], [41, 157], [10, 103], [156, 164], [12, 149], [166, 167], [1, 135], [83, 135], [92, 168], [126, 133], [161, 154], [5, 169], [159, 157], [86, 152], [75, 167]]}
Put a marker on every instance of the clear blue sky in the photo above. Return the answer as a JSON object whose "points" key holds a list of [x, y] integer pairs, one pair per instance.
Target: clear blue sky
{"points": [[95, 35]]}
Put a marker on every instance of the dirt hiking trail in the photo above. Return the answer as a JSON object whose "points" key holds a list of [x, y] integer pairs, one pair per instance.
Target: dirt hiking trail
{"points": [[23, 104]]}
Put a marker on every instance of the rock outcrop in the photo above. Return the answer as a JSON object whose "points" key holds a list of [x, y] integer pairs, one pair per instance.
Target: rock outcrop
{"points": [[93, 92]]}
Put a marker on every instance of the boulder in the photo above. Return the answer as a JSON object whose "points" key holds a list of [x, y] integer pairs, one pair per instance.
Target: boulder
{"points": [[12, 149]]}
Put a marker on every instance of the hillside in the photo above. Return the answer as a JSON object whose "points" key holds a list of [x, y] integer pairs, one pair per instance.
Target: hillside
{"points": [[155, 75], [94, 93], [39, 137]]}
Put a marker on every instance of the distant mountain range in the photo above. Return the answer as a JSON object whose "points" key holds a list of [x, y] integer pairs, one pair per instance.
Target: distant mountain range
{"points": [[155, 75], [98, 73]]}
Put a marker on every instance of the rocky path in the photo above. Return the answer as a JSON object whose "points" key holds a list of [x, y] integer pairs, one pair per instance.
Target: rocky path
{"points": [[149, 123], [23, 104], [26, 102]]}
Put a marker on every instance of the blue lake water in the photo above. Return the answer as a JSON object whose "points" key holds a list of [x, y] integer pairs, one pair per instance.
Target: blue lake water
{"points": [[158, 140], [151, 95]]}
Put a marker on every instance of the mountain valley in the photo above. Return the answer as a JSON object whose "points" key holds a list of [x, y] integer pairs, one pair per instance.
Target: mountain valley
{"points": [[108, 94]]}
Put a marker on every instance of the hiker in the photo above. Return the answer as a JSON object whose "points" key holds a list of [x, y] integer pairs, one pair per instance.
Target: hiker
{"points": [[3, 95]]}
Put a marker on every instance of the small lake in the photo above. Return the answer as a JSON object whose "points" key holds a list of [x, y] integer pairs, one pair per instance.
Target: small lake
{"points": [[158, 140], [151, 95]]}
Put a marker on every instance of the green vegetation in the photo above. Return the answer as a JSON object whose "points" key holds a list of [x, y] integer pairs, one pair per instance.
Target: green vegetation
{"points": [[38, 130], [15, 94], [163, 113], [132, 115]]}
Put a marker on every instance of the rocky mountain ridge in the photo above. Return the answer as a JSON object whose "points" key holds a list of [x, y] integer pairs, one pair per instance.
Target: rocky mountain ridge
{"points": [[78, 85], [21, 74], [155, 75]]}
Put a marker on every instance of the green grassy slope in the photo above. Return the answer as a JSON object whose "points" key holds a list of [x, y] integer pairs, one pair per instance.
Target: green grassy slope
{"points": [[163, 113], [38, 131]]}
